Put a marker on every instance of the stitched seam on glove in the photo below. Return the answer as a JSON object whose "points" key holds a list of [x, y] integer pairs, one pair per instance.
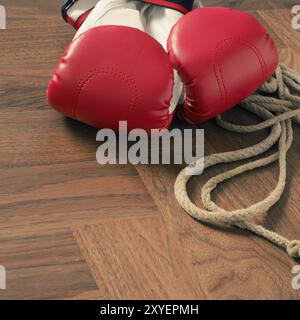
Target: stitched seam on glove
{"points": [[107, 71], [221, 46]]}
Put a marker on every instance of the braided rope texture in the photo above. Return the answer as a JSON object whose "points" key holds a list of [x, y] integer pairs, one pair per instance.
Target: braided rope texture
{"points": [[277, 103]]}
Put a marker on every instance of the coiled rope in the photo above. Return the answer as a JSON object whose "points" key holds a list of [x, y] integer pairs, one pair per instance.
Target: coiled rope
{"points": [[278, 113]]}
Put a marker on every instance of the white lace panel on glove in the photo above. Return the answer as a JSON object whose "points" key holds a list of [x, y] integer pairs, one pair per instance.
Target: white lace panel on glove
{"points": [[113, 12], [159, 22], [80, 7]]}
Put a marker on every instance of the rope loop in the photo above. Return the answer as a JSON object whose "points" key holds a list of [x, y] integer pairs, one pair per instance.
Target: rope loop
{"points": [[293, 249], [277, 112]]}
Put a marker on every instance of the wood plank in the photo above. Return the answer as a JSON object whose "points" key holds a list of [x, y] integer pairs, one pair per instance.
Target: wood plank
{"points": [[50, 177], [130, 259], [51, 182], [46, 265], [251, 267], [51, 196], [88, 295], [229, 263], [280, 21], [48, 163], [45, 7], [224, 263]]}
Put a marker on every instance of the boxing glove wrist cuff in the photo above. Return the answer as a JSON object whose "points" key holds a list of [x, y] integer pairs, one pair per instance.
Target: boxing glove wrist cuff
{"points": [[65, 7], [75, 12], [183, 6]]}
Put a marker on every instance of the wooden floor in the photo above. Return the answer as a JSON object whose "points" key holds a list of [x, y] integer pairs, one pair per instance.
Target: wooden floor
{"points": [[71, 229]]}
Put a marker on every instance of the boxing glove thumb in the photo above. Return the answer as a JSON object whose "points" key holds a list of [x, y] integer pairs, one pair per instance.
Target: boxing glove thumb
{"points": [[222, 57]]}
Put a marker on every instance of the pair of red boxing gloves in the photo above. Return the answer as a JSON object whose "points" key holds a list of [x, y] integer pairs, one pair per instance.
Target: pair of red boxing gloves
{"points": [[142, 61]]}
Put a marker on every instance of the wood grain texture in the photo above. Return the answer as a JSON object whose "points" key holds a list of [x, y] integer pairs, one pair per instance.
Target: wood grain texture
{"points": [[46, 265], [131, 260], [71, 229], [50, 180], [224, 263], [229, 263], [53, 196]]}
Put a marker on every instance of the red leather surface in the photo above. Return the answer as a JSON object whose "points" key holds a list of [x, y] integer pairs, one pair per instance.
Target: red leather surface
{"points": [[222, 56], [77, 24], [171, 4], [114, 73], [70, 21]]}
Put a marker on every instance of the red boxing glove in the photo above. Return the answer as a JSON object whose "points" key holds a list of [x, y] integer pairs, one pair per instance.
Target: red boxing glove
{"points": [[114, 71], [222, 57]]}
